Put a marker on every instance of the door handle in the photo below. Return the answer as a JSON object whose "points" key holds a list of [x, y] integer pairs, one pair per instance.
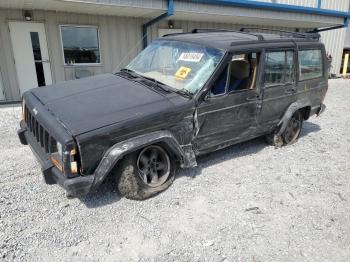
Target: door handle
{"points": [[42, 61], [290, 91], [253, 98]]}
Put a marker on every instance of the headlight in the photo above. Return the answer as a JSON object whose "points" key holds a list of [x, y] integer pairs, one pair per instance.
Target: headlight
{"points": [[65, 160], [23, 108], [59, 149]]}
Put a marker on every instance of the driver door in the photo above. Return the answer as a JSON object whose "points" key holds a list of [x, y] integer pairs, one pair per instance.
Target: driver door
{"points": [[228, 114]]}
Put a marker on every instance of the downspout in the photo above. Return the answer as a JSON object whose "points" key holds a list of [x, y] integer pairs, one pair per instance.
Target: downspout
{"points": [[319, 4], [145, 26]]}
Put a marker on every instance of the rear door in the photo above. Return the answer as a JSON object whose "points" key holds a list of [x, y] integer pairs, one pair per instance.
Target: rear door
{"points": [[279, 85], [312, 84]]}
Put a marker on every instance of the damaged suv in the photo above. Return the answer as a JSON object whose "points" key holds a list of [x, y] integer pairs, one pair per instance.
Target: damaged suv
{"points": [[183, 96]]}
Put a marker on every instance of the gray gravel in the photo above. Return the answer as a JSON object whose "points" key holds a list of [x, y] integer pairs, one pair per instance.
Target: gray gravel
{"points": [[250, 202]]}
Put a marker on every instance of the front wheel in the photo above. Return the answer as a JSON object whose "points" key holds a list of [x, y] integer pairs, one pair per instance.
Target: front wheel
{"points": [[145, 173]]}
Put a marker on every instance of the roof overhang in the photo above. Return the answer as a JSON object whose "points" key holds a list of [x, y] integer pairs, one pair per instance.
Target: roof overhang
{"points": [[93, 7], [222, 11]]}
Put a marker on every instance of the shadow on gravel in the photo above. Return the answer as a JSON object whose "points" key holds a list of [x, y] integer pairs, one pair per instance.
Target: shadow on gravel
{"points": [[236, 151], [309, 127], [239, 150], [106, 194]]}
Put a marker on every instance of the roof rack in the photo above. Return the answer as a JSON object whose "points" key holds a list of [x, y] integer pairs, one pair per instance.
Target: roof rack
{"points": [[307, 35], [213, 30]]}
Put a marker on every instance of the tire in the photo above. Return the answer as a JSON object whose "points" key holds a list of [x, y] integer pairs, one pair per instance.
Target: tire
{"points": [[131, 180], [292, 132], [290, 135]]}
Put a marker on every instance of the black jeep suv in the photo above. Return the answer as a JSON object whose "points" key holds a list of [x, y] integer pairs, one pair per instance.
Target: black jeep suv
{"points": [[183, 96]]}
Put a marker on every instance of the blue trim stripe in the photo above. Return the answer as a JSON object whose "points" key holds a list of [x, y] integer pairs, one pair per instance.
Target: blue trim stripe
{"points": [[276, 7], [256, 5]]}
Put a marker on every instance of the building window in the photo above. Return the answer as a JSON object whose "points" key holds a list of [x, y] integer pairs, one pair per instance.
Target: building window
{"points": [[80, 44], [279, 68], [310, 64]]}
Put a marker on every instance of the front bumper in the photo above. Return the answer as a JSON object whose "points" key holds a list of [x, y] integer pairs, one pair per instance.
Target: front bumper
{"points": [[321, 109], [77, 186]]}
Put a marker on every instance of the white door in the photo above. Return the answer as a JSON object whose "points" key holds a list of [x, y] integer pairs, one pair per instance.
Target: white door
{"points": [[2, 97], [31, 54]]}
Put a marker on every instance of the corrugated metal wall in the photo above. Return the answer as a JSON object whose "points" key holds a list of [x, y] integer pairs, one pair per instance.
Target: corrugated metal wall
{"points": [[120, 41], [339, 5], [308, 3], [334, 42]]}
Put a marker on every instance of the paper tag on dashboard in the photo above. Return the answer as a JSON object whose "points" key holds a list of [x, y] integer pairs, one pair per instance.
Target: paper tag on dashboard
{"points": [[182, 73], [191, 57]]}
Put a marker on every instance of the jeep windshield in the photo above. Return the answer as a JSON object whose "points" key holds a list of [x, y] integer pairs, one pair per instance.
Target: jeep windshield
{"points": [[183, 66]]}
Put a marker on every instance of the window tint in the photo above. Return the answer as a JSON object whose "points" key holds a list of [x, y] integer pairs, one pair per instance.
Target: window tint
{"points": [[80, 45], [239, 75], [243, 71], [310, 64], [279, 68], [289, 76], [220, 85]]}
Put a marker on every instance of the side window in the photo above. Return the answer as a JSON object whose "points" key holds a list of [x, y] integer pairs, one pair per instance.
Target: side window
{"points": [[290, 75], [239, 75], [310, 64], [279, 68], [274, 68], [243, 71], [220, 85]]}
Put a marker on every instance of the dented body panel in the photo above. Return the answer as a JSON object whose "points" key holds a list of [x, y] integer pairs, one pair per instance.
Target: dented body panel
{"points": [[108, 116]]}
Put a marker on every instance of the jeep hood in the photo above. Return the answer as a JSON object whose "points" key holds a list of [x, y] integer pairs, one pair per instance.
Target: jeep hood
{"points": [[87, 104]]}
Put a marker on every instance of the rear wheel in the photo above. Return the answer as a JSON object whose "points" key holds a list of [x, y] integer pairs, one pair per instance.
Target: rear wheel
{"points": [[293, 129], [145, 173], [291, 133]]}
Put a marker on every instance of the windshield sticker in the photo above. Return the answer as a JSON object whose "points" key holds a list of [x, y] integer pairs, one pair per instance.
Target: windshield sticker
{"points": [[182, 73], [191, 57]]}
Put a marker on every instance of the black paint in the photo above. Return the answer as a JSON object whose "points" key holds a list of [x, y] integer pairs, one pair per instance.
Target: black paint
{"points": [[108, 116]]}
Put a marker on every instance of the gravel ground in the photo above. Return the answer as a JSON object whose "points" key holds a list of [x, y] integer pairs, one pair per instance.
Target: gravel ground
{"points": [[250, 202]]}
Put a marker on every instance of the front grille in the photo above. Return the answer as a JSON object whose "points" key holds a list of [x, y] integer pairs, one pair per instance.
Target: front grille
{"points": [[42, 137]]}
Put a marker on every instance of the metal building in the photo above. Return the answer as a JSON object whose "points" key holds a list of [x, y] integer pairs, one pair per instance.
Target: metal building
{"points": [[46, 41]]}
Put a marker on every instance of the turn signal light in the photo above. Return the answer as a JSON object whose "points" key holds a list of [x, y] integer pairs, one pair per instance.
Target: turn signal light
{"points": [[73, 162]]}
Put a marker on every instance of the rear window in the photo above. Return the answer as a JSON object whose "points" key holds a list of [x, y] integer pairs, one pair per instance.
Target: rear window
{"points": [[279, 68], [310, 64]]}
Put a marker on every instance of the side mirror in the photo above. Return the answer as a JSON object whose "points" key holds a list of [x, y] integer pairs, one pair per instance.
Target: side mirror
{"points": [[205, 96]]}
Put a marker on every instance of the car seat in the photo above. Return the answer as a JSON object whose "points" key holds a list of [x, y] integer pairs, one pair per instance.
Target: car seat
{"points": [[239, 77]]}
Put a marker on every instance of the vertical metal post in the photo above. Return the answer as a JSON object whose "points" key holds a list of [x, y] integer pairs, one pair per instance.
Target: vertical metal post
{"points": [[145, 26], [345, 65]]}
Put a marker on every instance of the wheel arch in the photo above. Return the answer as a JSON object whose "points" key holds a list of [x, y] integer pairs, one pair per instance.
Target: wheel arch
{"points": [[305, 111], [115, 153], [303, 105]]}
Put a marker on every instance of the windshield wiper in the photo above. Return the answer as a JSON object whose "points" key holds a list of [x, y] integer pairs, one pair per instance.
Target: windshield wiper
{"points": [[129, 71], [184, 92], [158, 83]]}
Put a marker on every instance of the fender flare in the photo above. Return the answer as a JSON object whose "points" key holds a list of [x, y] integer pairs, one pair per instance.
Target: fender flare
{"points": [[289, 113], [119, 150]]}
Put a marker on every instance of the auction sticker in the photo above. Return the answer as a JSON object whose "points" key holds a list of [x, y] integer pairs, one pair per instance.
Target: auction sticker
{"points": [[191, 57], [182, 73]]}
